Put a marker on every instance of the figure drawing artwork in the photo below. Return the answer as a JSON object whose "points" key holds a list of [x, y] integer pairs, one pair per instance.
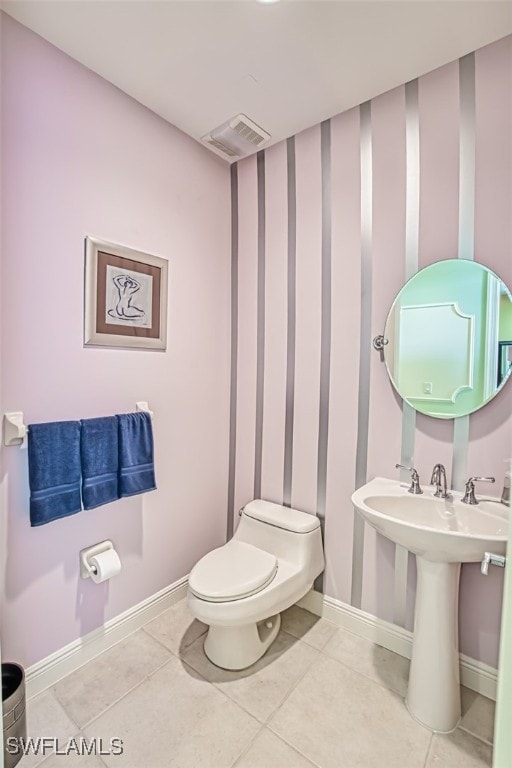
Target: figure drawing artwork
{"points": [[129, 298]]}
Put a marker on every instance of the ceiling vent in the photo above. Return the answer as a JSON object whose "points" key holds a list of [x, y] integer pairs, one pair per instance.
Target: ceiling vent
{"points": [[237, 137]]}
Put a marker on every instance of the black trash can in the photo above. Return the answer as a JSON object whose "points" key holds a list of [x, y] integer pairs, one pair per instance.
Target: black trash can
{"points": [[14, 715]]}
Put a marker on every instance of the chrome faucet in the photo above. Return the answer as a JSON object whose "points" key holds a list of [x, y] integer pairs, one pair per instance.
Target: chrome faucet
{"points": [[439, 480], [469, 495], [415, 479]]}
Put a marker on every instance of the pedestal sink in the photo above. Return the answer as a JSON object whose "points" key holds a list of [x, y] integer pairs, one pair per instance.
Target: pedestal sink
{"points": [[442, 533]]}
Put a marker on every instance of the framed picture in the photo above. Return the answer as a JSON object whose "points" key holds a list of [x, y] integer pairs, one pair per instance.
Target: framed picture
{"points": [[125, 297]]}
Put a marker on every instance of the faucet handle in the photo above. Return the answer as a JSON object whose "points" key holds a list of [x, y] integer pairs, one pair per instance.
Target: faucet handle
{"points": [[469, 495], [415, 478]]}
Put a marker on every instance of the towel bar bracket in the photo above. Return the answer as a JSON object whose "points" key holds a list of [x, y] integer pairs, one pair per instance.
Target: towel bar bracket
{"points": [[143, 405], [15, 430]]}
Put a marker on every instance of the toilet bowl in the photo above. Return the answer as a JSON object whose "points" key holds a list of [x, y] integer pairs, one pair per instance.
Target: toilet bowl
{"points": [[240, 588]]}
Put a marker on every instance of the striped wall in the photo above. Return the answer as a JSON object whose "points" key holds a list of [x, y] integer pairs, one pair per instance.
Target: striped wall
{"points": [[326, 228]]}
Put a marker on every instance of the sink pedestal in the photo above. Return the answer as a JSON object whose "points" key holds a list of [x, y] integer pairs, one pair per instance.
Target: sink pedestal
{"points": [[442, 533], [433, 696]]}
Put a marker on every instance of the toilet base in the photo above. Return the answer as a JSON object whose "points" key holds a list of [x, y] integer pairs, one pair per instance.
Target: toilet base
{"points": [[239, 647]]}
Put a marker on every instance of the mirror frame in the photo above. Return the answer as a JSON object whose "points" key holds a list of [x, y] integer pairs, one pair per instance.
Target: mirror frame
{"points": [[451, 317]]}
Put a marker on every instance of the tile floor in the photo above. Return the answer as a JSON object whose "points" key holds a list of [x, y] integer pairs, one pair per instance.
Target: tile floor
{"points": [[320, 697]]}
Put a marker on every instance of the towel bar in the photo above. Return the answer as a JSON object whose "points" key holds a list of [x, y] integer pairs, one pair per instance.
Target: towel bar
{"points": [[15, 430]]}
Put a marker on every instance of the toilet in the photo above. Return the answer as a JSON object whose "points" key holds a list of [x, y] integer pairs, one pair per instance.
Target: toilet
{"points": [[240, 588]]}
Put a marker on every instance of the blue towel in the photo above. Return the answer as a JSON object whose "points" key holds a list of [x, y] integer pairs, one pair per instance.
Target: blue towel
{"points": [[54, 470], [136, 468], [100, 461]]}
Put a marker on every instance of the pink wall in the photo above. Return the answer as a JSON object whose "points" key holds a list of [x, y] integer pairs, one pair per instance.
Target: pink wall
{"points": [[490, 428], [80, 157]]}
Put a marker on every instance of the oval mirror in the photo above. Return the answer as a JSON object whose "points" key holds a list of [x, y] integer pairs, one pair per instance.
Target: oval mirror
{"points": [[449, 338]]}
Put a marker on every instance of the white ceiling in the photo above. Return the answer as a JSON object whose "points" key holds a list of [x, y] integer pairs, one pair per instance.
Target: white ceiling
{"points": [[287, 65]]}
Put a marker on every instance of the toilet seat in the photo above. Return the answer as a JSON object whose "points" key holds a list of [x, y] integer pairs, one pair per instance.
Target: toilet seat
{"points": [[232, 572]]}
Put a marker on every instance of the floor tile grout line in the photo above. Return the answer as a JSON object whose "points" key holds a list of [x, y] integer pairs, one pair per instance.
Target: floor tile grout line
{"points": [[46, 758], [427, 756], [362, 674], [176, 654], [318, 619], [102, 761], [248, 746], [52, 689], [393, 690], [173, 656], [294, 686], [289, 744], [184, 663], [218, 685], [127, 692], [476, 736], [302, 640], [263, 723], [295, 749], [220, 690]]}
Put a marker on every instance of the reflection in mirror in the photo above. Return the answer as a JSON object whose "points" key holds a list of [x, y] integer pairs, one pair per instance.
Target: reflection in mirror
{"points": [[504, 360], [449, 335]]}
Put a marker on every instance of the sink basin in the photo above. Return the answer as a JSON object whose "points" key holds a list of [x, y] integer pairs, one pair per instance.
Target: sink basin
{"points": [[442, 533], [440, 530]]}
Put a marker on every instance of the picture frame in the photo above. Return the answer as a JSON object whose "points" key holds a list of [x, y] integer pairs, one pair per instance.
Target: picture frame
{"points": [[504, 360], [125, 297]]}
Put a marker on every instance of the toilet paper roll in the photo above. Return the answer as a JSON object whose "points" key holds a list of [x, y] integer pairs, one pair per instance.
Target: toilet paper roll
{"points": [[104, 566]]}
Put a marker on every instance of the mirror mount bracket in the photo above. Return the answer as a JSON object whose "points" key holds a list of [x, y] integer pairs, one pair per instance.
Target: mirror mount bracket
{"points": [[379, 342]]}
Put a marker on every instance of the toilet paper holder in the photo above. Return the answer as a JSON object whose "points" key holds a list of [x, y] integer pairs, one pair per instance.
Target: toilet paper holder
{"points": [[86, 568]]}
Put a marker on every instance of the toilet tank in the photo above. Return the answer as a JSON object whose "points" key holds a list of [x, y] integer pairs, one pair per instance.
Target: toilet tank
{"points": [[284, 532]]}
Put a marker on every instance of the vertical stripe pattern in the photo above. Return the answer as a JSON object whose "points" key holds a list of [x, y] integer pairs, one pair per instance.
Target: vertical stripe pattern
{"points": [[467, 157], [466, 233], [307, 236], [365, 345], [412, 220], [234, 350], [291, 310], [325, 347], [412, 192], [260, 342]]}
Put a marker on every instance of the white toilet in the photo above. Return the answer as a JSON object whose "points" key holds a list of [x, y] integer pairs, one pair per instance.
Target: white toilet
{"points": [[240, 588]]}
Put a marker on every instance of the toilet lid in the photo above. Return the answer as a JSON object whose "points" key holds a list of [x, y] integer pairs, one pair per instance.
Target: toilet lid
{"points": [[232, 572]]}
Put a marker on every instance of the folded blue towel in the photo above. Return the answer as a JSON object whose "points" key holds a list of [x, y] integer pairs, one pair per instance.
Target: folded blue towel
{"points": [[136, 468], [100, 461], [54, 470]]}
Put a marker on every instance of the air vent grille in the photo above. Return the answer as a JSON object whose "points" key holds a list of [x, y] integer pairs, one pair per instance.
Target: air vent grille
{"points": [[237, 137], [221, 147], [246, 132]]}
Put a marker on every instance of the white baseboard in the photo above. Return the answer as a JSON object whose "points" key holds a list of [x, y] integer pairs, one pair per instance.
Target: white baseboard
{"points": [[50, 670], [474, 674]]}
